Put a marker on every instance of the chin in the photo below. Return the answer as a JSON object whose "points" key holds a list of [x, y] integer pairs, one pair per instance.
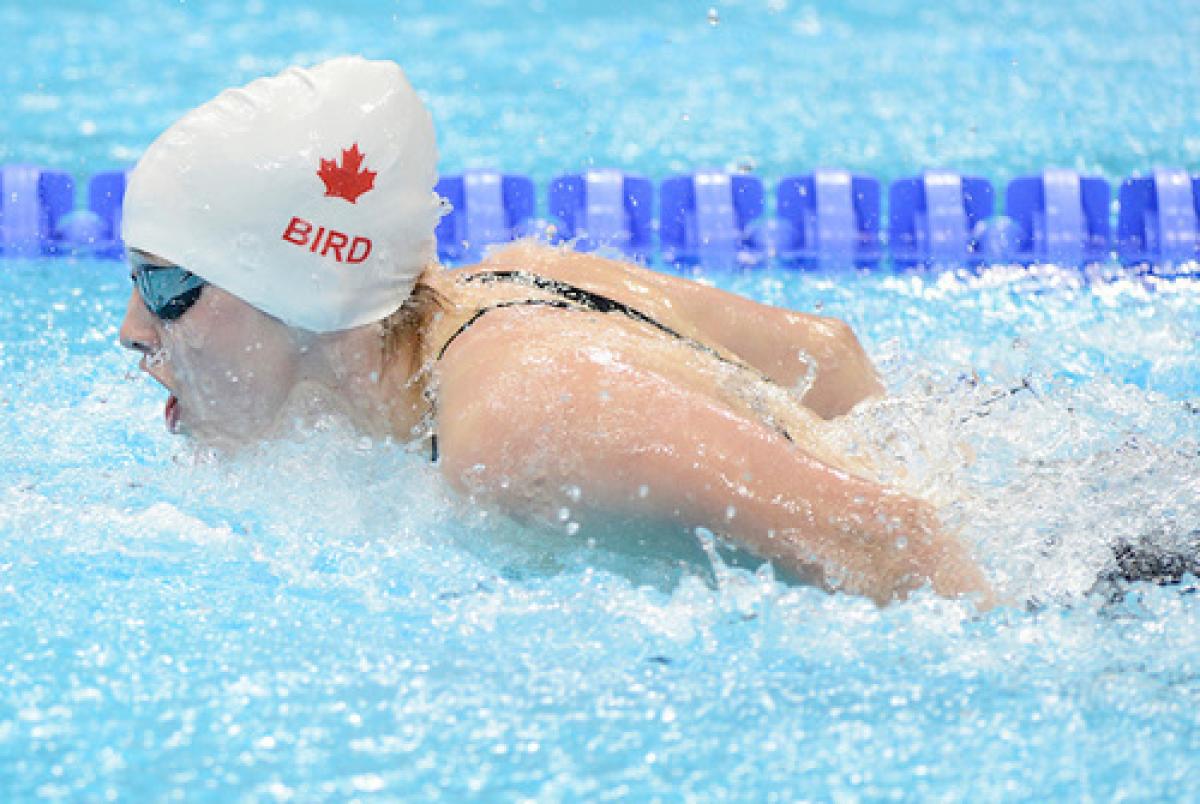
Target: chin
{"points": [[232, 432]]}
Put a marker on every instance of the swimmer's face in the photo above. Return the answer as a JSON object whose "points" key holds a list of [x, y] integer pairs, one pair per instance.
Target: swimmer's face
{"points": [[228, 367]]}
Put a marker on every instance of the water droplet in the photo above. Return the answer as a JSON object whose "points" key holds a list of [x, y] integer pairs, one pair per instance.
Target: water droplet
{"points": [[805, 382], [572, 528], [714, 17], [730, 513], [574, 493], [643, 491], [564, 514]]}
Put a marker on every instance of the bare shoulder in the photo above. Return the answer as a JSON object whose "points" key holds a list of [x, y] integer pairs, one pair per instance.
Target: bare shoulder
{"points": [[510, 374], [781, 343], [511, 345]]}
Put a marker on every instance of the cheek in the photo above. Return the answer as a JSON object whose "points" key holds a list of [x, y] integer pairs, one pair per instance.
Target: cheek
{"points": [[232, 370]]}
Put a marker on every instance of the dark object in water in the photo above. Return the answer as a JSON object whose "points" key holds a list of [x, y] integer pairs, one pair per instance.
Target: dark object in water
{"points": [[1148, 559]]}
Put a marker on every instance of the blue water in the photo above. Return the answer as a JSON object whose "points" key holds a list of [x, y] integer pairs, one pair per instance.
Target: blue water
{"points": [[320, 618]]}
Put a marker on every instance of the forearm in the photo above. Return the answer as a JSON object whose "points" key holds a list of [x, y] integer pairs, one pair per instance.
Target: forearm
{"points": [[704, 466], [793, 349], [816, 521]]}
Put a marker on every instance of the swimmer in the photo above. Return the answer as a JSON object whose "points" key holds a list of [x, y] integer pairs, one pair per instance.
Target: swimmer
{"points": [[281, 242]]}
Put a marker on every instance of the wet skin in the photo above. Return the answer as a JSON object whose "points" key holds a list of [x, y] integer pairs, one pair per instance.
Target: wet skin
{"points": [[533, 400]]}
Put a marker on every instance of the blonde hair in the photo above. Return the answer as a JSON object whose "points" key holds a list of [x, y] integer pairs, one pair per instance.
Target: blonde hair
{"points": [[411, 318]]}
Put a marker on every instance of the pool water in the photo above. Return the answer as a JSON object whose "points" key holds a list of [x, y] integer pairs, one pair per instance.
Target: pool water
{"points": [[320, 618]]}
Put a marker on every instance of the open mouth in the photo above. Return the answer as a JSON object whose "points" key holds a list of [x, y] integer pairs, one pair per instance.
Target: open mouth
{"points": [[171, 413]]}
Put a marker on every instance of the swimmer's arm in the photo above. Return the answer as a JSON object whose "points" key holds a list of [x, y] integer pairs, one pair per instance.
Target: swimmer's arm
{"points": [[512, 435], [771, 339], [777, 341]]}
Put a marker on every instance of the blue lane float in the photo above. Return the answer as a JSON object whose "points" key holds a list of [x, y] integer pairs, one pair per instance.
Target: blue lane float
{"points": [[707, 217], [1063, 217], [603, 209], [106, 195], [33, 201], [933, 218], [1157, 221], [831, 218], [825, 219], [486, 208]]}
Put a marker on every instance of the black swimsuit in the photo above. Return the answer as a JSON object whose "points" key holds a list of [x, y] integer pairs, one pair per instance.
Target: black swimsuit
{"points": [[571, 297]]}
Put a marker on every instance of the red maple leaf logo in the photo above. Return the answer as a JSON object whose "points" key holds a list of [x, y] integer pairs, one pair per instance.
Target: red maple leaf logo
{"points": [[346, 181]]}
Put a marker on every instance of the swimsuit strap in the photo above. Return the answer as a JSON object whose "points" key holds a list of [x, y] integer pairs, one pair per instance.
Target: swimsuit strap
{"points": [[572, 297], [433, 439], [562, 305], [588, 300]]}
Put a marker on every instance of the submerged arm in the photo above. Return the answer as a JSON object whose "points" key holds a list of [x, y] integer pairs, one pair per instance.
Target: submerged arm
{"points": [[520, 425]]}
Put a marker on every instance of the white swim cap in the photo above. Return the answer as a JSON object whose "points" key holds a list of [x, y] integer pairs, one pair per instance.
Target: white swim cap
{"points": [[308, 194]]}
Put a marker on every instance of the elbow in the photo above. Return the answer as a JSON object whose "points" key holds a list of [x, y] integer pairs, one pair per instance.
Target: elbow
{"points": [[841, 340], [845, 375]]}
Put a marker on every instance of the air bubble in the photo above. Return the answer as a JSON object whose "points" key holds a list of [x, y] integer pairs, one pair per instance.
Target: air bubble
{"points": [[572, 528], [564, 514], [714, 17], [643, 491], [574, 493]]}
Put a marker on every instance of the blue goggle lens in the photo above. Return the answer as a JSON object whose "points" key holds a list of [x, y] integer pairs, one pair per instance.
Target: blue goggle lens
{"points": [[168, 291]]}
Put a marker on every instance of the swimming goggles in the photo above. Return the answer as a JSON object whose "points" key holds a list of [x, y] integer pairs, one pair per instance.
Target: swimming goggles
{"points": [[168, 291]]}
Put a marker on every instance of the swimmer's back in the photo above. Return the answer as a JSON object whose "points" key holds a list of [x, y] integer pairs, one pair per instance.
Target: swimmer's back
{"points": [[504, 322], [777, 342]]}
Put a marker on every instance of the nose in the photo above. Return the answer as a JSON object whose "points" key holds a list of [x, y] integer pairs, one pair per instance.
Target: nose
{"points": [[137, 330]]}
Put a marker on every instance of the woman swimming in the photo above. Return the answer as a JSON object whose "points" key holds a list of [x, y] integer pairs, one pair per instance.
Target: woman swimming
{"points": [[282, 251]]}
